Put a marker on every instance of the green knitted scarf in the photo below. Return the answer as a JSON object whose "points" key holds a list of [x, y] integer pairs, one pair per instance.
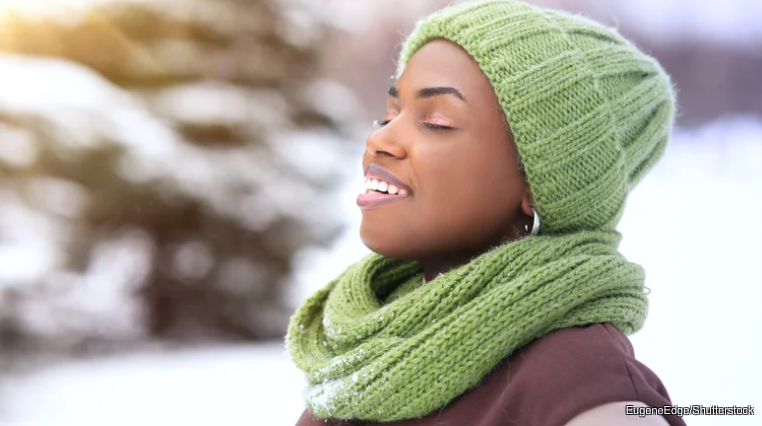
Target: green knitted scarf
{"points": [[377, 344]]}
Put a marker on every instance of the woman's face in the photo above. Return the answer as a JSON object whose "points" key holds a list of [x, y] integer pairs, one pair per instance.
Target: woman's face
{"points": [[445, 142]]}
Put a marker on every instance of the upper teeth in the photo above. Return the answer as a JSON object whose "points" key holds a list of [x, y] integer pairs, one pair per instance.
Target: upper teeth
{"points": [[381, 186]]}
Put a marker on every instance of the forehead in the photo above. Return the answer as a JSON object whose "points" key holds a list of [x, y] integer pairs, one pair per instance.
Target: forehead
{"points": [[443, 63]]}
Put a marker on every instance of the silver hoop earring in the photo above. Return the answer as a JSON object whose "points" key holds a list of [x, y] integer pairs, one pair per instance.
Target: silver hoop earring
{"points": [[535, 224]]}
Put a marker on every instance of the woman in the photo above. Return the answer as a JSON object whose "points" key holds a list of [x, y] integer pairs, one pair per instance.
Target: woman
{"points": [[495, 294]]}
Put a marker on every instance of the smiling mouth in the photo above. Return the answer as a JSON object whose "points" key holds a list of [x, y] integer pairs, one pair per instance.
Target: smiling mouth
{"points": [[379, 193], [381, 188]]}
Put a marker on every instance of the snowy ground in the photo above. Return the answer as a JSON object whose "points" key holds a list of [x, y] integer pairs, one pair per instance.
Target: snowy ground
{"points": [[695, 224], [231, 386]]}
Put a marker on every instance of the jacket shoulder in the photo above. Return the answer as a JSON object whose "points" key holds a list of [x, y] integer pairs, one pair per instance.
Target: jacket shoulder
{"points": [[572, 370]]}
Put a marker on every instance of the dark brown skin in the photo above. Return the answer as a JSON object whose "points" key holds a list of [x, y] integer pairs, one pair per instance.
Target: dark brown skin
{"points": [[468, 194]]}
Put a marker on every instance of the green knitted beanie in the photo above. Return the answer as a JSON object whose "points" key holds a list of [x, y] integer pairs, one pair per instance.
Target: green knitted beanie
{"points": [[590, 114]]}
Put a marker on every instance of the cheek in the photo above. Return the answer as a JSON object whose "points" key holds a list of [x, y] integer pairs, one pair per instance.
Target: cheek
{"points": [[469, 181], [469, 199], [470, 196]]}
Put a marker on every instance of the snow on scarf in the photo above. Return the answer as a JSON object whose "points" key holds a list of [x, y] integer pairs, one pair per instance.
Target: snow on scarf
{"points": [[370, 359]]}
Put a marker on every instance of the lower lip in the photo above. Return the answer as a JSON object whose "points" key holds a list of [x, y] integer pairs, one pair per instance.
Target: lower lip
{"points": [[377, 199]]}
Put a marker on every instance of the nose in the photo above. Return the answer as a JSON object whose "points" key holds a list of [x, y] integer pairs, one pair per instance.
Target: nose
{"points": [[384, 142]]}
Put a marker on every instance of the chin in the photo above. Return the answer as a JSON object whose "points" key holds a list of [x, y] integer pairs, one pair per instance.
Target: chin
{"points": [[394, 245]]}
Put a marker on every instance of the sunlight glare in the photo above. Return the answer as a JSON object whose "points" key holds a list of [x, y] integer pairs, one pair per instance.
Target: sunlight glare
{"points": [[44, 7]]}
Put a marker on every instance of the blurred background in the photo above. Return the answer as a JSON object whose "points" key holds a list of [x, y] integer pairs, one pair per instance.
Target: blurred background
{"points": [[176, 176]]}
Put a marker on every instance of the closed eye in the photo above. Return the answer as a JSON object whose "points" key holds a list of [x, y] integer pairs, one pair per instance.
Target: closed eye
{"points": [[382, 123], [436, 126]]}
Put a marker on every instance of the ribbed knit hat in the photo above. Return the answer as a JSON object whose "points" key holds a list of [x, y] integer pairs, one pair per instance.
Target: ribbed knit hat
{"points": [[590, 114]]}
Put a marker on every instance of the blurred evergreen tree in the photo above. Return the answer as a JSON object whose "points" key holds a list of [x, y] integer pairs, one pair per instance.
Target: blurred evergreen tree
{"points": [[230, 92]]}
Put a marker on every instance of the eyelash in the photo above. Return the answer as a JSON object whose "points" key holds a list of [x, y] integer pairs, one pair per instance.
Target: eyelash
{"points": [[382, 123], [436, 126]]}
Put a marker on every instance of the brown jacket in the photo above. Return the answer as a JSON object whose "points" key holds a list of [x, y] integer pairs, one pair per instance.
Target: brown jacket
{"points": [[547, 383]]}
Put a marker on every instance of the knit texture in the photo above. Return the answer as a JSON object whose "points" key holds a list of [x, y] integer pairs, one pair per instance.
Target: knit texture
{"points": [[402, 357], [590, 114]]}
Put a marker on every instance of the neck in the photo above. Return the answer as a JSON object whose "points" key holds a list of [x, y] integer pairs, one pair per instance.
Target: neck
{"points": [[433, 268], [441, 264], [445, 262]]}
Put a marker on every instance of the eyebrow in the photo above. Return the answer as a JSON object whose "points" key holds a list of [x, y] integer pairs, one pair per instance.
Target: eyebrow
{"points": [[430, 92]]}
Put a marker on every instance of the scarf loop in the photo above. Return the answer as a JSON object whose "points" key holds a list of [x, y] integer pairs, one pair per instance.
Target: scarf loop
{"points": [[370, 360]]}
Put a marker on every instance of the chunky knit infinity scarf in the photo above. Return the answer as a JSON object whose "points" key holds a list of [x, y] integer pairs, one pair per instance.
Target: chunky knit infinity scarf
{"points": [[403, 356]]}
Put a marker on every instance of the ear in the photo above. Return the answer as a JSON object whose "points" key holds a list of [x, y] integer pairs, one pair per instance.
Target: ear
{"points": [[527, 202]]}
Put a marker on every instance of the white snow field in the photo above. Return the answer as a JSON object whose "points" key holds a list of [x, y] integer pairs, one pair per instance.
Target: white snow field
{"points": [[245, 385]]}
